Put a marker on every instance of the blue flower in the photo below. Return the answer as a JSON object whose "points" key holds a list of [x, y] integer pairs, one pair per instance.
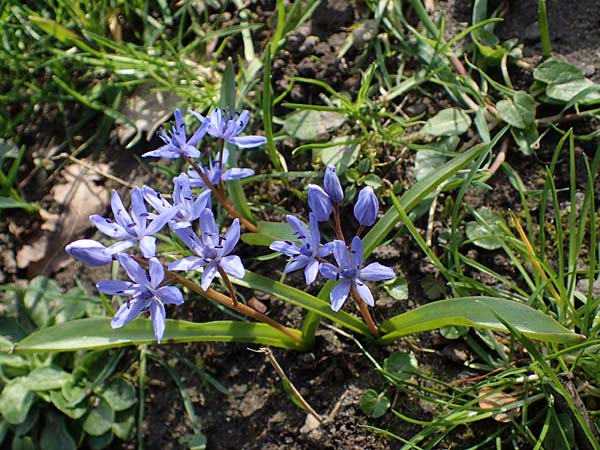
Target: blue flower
{"points": [[94, 253], [332, 185], [212, 250], [305, 255], [146, 294], [223, 125], [214, 172], [134, 227], [189, 206], [349, 273], [366, 207], [319, 202], [176, 143]]}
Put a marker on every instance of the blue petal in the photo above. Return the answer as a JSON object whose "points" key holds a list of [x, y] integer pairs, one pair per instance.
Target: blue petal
{"points": [[133, 269], [156, 271], [210, 271], [121, 215], [232, 237], [356, 250], [187, 263], [339, 294], [159, 222], [170, 295], [159, 317], [297, 262], [155, 199], [89, 252], [128, 311], [210, 232], [329, 271], [311, 271], [232, 264], [319, 202], [341, 255], [118, 287], [248, 141], [236, 174], [138, 209], [376, 272], [109, 228], [363, 291], [287, 248], [148, 246]]}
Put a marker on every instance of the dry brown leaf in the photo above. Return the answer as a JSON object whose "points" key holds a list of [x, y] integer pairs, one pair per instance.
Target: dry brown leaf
{"points": [[79, 197], [498, 400]]}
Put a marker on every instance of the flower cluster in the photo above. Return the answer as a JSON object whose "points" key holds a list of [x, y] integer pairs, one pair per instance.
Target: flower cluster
{"points": [[186, 213], [309, 254]]}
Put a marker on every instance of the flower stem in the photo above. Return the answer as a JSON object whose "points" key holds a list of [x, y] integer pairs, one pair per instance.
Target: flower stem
{"points": [[221, 196], [230, 302], [337, 223], [232, 293], [364, 310]]}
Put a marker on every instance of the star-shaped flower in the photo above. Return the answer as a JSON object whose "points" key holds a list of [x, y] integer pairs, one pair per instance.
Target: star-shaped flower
{"points": [[307, 253], [227, 126], [176, 142], [349, 272], [134, 227], [190, 206], [214, 172], [146, 294], [212, 250]]}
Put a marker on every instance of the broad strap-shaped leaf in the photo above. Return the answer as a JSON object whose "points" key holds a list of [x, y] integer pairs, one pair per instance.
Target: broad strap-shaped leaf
{"points": [[96, 333], [482, 312], [303, 299]]}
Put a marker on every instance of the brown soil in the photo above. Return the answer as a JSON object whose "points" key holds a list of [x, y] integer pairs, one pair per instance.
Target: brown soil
{"points": [[258, 413]]}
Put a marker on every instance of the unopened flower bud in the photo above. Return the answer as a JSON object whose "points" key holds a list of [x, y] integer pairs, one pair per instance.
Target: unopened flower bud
{"points": [[332, 185], [319, 202], [366, 207]]}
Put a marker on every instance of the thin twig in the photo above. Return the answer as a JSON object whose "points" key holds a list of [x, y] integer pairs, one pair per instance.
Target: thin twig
{"points": [[269, 354]]}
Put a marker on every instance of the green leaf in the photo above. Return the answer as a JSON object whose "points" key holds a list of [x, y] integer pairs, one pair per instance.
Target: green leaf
{"points": [[99, 419], [303, 299], [196, 441], [343, 155], [55, 435], [54, 29], [557, 72], [22, 443], [373, 404], [565, 92], [526, 139], [119, 394], [267, 232], [486, 230], [61, 403], [565, 81], [96, 333], [397, 288], [99, 442], [518, 111], [401, 365], [9, 203], [482, 312], [47, 378], [309, 125], [40, 300], [122, 427], [16, 400], [373, 181], [448, 122], [427, 162]]}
